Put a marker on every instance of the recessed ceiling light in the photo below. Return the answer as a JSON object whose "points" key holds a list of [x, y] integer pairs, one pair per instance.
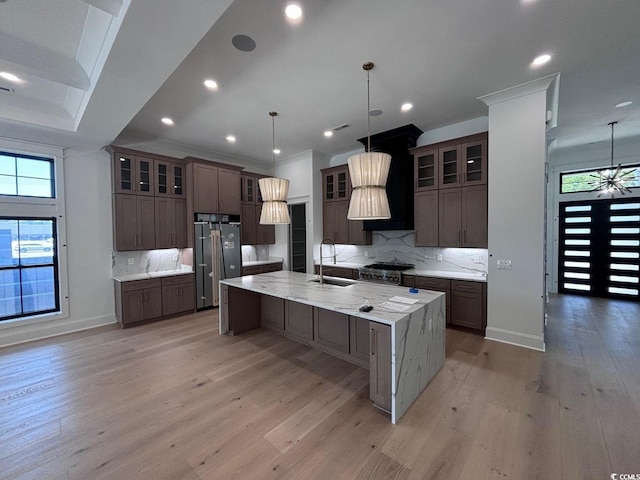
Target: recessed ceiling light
{"points": [[406, 107], [10, 76], [293, 11], [624, 104], [231, 139], [211, 84], [541, 60], [167, 121], [276, 151], [375, 112], [328, 134]]}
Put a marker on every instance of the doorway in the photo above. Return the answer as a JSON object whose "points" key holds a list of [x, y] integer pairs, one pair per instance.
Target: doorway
{"points": [[599, 251], [298, 238]]}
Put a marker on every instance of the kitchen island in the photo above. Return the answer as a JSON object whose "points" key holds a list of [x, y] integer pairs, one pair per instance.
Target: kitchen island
{"points": [[401, 340]]}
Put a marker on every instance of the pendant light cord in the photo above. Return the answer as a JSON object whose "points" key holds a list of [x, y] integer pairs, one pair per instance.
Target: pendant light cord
{"points": [[273, 139], [368, 115], [612, 124]]}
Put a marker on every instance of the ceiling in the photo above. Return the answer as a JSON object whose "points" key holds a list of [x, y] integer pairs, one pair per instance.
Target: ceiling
{"points": [[106, 71]]}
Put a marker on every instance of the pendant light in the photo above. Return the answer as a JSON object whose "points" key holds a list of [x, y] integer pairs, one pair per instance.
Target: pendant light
{"points": [[368, 172], [612, 180], [274, 190]]}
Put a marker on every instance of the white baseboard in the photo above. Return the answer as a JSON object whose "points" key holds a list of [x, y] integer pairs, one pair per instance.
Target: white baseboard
{"points": [[18, 333], [534, 342]]}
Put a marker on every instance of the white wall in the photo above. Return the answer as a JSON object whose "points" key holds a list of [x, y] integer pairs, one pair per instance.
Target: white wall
{"points": [[89, 241], [517, 152]]}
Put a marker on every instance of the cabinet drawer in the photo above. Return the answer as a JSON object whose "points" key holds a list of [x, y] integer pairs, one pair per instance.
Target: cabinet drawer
{"points": [[141, 284], [252, 270], [432, 283], [271, 267], [464, 286], [177, 280]]}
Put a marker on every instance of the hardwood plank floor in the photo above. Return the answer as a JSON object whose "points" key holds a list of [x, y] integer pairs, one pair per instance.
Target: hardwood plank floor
{"points": [[175, 400]]}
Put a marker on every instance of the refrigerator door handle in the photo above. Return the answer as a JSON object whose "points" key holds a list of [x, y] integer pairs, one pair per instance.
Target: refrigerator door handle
{"points": [[215, 265]]}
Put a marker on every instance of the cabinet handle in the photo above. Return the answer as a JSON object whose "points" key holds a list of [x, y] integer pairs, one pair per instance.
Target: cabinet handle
{"points": [[459, 237], [372, 343], [464, 236]]}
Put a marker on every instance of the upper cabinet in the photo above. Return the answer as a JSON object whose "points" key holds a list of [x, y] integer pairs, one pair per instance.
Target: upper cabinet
{"points": [[133, 173], [253, 233], [451, 193], [336, 184], [216, 189], [170, 178], [336, 191]]}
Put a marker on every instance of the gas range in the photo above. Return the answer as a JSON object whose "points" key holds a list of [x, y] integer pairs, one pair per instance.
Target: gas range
{"points": [[390, 273]]}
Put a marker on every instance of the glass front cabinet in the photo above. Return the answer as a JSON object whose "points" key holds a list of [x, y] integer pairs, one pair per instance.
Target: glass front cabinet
{"points": [[133, 174]]}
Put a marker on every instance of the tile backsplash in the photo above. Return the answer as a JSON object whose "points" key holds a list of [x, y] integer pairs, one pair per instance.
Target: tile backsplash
{"points": [[147, 261], [397, 246], [253, 253]]}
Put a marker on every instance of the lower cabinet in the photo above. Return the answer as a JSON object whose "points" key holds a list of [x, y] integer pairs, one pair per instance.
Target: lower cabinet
{"points": [[142, 301], [469, 304], [243, 307], [272, 311], [341, 272], [298, 320], [380, 365], [263, 268], [359, 340], [331, 329]]}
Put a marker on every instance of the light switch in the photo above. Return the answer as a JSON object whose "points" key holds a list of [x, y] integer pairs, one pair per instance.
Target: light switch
{"points": [[130, 261], [439, 257], [504, 264]]}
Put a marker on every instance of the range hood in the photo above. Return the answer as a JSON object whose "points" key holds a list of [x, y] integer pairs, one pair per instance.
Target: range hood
{"points": [[396, 143]]}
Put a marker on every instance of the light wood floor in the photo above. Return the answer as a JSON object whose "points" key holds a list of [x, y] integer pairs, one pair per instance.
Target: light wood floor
{"points": [[174, 400]]}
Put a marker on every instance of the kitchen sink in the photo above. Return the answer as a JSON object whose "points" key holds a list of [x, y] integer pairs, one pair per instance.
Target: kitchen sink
{"points": [[338, 282]]}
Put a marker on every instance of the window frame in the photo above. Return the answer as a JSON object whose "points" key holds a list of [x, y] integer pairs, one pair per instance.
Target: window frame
{"points": [[593, 171], [45, 208]]}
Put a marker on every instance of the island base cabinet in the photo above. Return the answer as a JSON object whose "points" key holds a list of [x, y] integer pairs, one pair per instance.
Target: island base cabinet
{"points": [[273, 313], [359, 340], [331, 329], [298, 321], [380, 365], [243, 307]]}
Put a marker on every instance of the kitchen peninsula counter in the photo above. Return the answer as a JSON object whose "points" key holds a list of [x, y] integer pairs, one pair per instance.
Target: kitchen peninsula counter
{"points": [[417, 337]]}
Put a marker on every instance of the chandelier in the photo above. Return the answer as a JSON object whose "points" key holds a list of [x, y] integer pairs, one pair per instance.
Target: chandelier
{"points": [[611, 180]]}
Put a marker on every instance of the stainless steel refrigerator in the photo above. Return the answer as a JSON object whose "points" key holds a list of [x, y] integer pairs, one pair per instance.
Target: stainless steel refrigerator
{"points": [[217, 255]]}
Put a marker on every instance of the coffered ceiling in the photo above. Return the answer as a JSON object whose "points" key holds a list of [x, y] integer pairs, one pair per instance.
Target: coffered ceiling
{"points": [[98, 71]]}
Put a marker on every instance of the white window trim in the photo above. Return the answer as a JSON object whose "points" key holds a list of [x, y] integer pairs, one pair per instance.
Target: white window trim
{"points": [[49, 207]]}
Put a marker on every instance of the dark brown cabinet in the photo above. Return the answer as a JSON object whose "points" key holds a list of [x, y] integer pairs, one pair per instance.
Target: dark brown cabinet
{"points": [[463, 217], [468, 304], [170, 222], [359, 340], [450, 195], [341, 272], [178, 295], [134, 222], [215, 189], [331, 329], [262, 268], [380, 365], [170, 178], [272, 312], [335, 206], [138, 301], [243, 307], [298, 321], [133, 173], [426, 218], [253, 232]]}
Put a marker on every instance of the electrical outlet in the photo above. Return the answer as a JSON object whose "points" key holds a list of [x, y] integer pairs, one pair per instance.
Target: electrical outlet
{"points": [[175, 257], [263, 251], [130, 261], [439, 257], [430, 323], [366, 253], [504, 264]]}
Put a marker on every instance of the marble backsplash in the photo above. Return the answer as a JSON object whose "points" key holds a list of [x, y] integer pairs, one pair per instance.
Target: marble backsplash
{"points": [[397, 246], [148, 261], [253, 253]]}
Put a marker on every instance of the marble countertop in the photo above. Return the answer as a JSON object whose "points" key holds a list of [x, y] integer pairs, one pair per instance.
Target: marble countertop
{"points": [[262, 262], [145, 276], [297, 287], [451, 275]]}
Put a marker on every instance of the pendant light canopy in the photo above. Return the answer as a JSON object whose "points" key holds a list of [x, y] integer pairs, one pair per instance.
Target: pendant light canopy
{"points": [[612, 180], [274, 190], [368, 172]]}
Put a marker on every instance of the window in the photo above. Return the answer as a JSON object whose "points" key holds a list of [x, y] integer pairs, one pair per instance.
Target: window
{"points": [[28, 267], [583, 181], [26, 176], [33, 282]]}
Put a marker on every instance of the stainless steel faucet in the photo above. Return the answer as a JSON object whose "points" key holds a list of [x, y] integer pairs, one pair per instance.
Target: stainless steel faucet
{"points": [[324, 242]]}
